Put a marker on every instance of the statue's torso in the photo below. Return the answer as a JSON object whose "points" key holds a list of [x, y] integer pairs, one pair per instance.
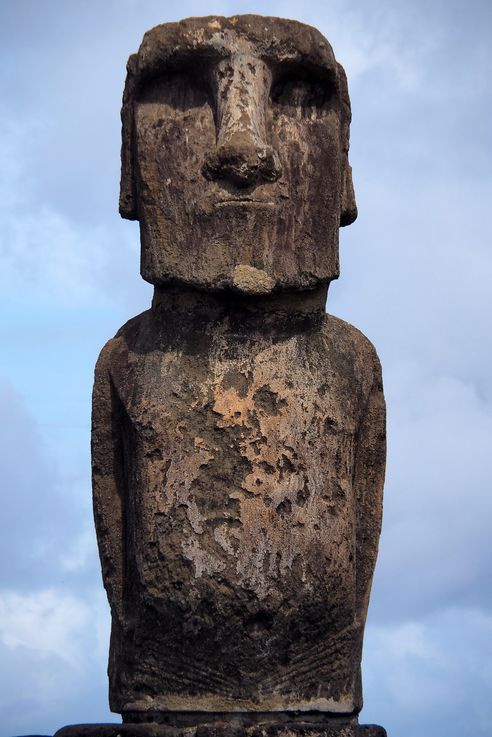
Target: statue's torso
{"points": [[240, 565]]}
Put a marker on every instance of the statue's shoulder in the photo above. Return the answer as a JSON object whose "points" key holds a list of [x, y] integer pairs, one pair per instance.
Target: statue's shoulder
{"points": [[349, 340], [126, 339]]}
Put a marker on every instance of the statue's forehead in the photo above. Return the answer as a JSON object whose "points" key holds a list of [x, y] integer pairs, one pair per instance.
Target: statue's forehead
{"points": [[273, 39]]}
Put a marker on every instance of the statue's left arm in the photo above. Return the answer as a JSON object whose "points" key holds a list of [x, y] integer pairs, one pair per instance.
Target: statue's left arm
{"points": [[370, 463]]}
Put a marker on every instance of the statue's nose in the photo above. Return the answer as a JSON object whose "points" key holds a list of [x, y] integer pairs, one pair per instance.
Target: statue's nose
{"points": [[242, 155], [242, 161]]}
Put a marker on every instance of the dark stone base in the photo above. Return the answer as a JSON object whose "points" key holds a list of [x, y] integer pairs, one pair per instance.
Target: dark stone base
{"points": [[230, 725]]}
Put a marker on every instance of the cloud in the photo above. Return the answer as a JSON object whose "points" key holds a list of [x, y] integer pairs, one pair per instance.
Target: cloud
{"points": [[49, 254], [53, 612], [28, 480], [49, 675], [418, 285], [416, 270], [80, 553], [432, 676], [45, 523], [43, 621], [435, 548], [386, 38]]}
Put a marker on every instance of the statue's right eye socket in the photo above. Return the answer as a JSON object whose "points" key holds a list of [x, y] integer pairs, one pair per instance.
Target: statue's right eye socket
{"points": [[180, 89]]}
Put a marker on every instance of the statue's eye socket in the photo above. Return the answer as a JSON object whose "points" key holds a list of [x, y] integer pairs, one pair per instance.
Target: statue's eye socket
{"points": [[183, 87], [299, 88]]}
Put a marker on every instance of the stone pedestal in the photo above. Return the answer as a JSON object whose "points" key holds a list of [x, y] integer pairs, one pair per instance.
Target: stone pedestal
{"points": [[230, 725]]}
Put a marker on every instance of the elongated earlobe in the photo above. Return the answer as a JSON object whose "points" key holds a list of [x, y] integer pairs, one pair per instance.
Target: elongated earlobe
{"points": [[348, 211], [128, 200], [348, 208]]}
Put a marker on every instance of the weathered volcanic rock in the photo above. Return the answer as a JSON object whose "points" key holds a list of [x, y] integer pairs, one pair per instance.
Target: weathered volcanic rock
{"points": [[238, 431], [238, 454], [235, 140]]}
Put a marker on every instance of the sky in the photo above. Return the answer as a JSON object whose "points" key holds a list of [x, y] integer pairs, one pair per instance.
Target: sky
{"points": [[416, 272]]}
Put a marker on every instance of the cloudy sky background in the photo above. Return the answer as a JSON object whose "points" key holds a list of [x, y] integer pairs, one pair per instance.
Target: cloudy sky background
{"points": [[416, 278]]}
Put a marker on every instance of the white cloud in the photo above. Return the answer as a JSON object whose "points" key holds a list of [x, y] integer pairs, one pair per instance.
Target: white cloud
{"points": [[39, 248], [409, 639], [44, 251], [423, 675], [47, 622], [51, 256], [381, 38], [39, 513], [435, 545], [81, 550], [53, 654]]}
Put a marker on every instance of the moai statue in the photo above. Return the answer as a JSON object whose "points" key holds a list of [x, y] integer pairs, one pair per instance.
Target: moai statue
{"points": [[238, 430]]}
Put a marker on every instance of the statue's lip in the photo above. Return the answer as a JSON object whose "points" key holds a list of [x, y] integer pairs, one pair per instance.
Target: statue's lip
{"points": [[244, 201]]}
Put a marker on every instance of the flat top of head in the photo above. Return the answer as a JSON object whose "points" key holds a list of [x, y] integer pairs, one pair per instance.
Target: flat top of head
{"points": [[274, 39]]}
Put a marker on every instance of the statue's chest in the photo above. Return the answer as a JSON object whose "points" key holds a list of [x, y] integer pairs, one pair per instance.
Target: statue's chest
{"points": [[247, 461]]}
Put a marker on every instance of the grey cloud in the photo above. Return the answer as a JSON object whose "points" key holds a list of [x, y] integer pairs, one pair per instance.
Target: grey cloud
{"points": [[431, 676], [40, 516], [435, 548], [45, 687]]}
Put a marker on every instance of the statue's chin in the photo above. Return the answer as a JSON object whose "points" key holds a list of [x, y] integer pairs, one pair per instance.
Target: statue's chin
{"points": [[244, 279], [249, 280]]}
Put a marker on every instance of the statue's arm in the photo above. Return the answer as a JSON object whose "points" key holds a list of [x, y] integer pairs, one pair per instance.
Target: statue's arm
{"points": [[368, 485], [108, 481]]}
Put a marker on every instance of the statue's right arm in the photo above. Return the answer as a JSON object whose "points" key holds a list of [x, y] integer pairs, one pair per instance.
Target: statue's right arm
{"points": [[108, 481]]}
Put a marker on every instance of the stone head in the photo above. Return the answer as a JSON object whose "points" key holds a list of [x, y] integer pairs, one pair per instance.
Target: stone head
{"points": [[235, 154]]}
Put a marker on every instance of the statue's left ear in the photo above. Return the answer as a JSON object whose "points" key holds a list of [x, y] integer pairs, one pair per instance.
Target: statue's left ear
{"points": [[348, 212], [348, 209]]}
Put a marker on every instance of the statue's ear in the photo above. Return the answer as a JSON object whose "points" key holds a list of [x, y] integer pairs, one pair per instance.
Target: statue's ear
{"points": [[348, 208], [128, 199], [348, 212]]}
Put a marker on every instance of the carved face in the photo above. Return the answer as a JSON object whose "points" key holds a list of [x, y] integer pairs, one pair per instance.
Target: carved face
{"points": [[235, 139]]}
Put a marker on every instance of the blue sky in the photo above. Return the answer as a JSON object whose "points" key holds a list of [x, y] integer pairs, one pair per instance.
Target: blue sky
{"points": [[416, 275]]}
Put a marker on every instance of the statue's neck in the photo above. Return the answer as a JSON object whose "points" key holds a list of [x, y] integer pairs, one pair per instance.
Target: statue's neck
{"points": [[289, 304]]}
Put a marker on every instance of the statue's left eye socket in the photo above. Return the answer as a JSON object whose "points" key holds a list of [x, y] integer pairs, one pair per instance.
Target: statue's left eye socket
{"points": [[296, 89]]}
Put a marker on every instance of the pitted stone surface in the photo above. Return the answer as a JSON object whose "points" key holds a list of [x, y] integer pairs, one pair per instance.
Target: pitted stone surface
{"points": [[235, 140], [246, 584]]}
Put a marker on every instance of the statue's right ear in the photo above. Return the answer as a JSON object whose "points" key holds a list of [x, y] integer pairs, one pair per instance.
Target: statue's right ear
{"points": [[128, 198], [349, 208]]}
